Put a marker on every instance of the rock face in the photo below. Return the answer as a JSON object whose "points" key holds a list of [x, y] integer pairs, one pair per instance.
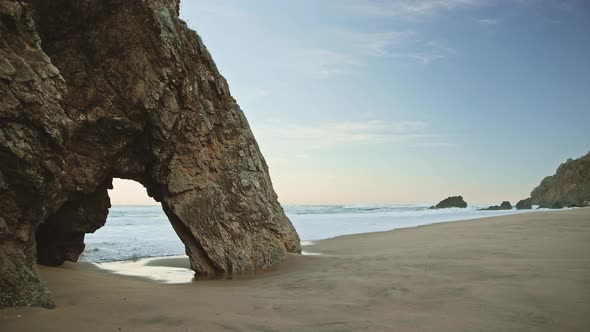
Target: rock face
{"points": [[450, 202], [524, 204], [505, 205], [92, 90], [569, 186]]}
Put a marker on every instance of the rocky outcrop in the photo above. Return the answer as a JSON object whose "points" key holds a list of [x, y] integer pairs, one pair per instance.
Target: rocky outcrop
{"points": [[570, 185], [524, 204], [95, 90], [505, 205], [450, 202]]}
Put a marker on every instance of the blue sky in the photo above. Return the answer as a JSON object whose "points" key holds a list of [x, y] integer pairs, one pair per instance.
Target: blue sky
{"points": [[405, 101]]}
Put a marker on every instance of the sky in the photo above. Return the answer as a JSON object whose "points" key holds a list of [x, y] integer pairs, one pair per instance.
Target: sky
{"points": [[400, 102]]}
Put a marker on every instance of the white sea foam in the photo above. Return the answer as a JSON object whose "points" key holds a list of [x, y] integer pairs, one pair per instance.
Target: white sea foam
{"points": [[139, 268], [321, 222], [134, 232]]}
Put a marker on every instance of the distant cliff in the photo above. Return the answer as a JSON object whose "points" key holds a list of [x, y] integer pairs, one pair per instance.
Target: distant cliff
{"points": [[569, 186]]}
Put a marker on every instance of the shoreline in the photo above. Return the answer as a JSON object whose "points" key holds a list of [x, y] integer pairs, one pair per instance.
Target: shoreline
{"points": [[307, 243], [519, 272], [313, 242], [311, 224], [154, 268]]}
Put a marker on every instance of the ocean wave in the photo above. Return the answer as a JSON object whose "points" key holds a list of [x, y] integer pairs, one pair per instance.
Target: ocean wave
{"points": [[348, 209], [133, 232]]}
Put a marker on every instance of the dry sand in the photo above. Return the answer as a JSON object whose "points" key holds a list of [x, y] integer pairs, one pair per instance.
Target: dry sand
{"points": [[528, 272]]}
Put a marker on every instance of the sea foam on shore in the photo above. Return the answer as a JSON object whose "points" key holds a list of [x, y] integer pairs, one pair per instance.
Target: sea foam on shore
{"points": [[135, 232]]}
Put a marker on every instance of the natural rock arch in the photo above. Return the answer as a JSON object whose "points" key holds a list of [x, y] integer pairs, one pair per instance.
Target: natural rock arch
{"points": [[97, 89]]}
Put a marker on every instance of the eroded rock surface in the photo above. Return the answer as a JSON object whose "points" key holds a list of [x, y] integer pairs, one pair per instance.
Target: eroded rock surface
{"points": [[524, 204], [569, 186], [97, 89], [450, 202], [505, 205]]}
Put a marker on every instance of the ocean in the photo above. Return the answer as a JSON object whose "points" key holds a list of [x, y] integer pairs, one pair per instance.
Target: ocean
{"points": [[135, 232]]}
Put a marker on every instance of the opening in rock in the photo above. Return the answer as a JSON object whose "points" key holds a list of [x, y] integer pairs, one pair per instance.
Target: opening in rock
{"points": [[136, 227], [110, 101]]}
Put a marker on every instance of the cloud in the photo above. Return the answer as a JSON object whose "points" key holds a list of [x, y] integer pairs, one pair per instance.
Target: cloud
{"points": [[342, 133], [380, 43], [568, 5], [407, 45], [321, 63], [423, 57], [409, 9], [489, 21]]}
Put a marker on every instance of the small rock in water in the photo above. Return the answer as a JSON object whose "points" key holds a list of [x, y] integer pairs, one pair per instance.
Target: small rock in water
{"points": [[450, 202], [524, 204], [504, 206]]}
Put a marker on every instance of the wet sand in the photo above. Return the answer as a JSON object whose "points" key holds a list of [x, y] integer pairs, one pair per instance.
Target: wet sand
{"points": [[527, 272]]}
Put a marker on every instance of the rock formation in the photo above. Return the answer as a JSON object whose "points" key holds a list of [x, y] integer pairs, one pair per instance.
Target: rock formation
{"points": [[524, 204], [570, 185], [505, 205], [450, 202], [92, 90]]}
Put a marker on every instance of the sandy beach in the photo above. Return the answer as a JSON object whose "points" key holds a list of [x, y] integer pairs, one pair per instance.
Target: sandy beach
{"points": [[527, 272]]}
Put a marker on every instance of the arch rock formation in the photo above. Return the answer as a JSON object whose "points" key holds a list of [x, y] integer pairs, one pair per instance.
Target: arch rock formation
{"points": [[91, 90]]}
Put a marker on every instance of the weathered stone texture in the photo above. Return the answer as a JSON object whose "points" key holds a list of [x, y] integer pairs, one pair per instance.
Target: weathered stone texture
{"points": [[96, 89], [505, 205], [569, 186], [451, 202], [524, 204]]}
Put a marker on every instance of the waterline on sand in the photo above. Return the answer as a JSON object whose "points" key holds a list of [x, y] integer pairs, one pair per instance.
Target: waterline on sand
{"points": [[144, 268], [136, 232], [174, 269], [312, 222]]}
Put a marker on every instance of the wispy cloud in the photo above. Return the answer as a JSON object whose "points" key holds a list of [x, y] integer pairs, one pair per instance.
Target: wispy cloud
{"points": [[409, 9], [321, 63], [428, 51], [488, 21], [568, 5], [380, 43], [407, 45], [423, 57], [343, 133]]}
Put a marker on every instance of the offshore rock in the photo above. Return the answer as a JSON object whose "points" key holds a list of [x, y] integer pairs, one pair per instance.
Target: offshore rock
{"points": [[524, 204], [505, 205], [94, 90], [569, 186], [450, 202]]}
